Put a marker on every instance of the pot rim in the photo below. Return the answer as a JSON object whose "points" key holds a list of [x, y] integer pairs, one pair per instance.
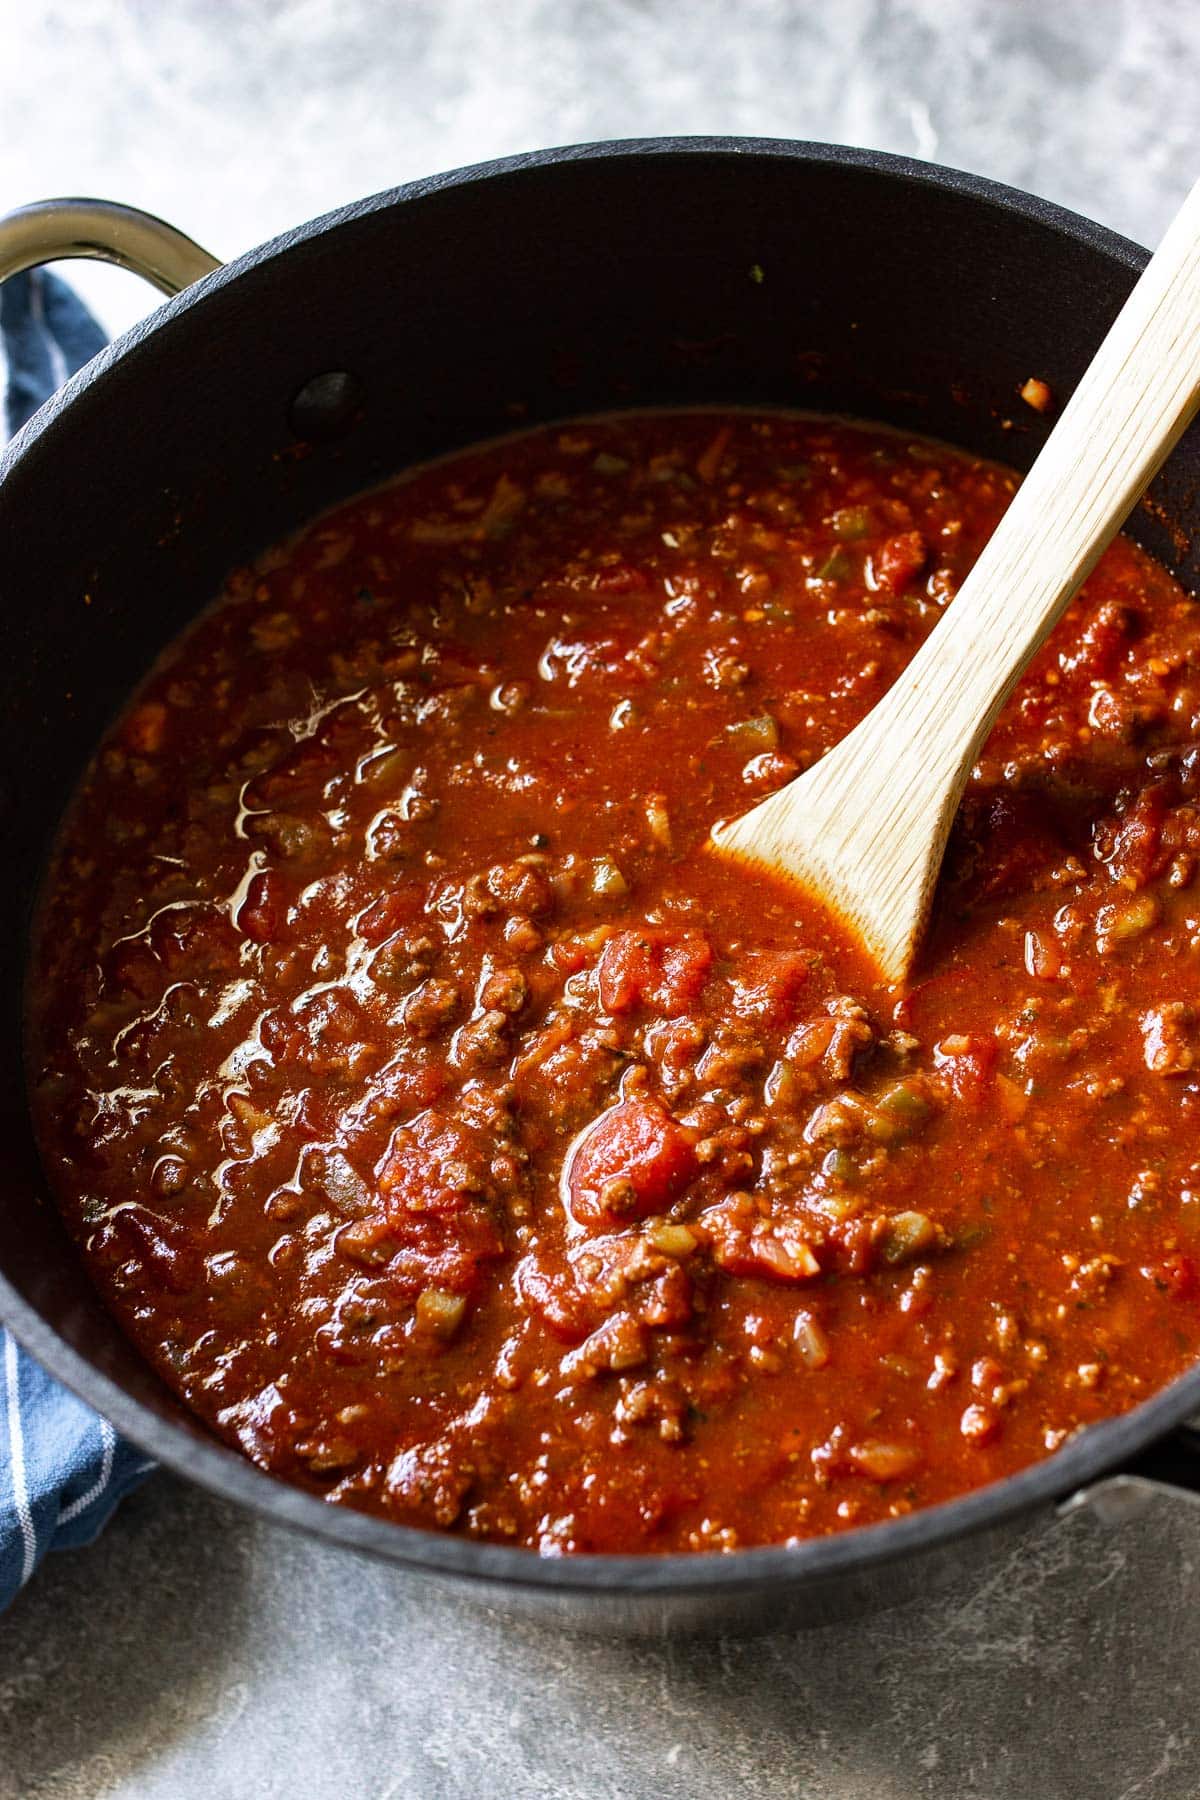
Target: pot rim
{"points": [[182, 1445]]}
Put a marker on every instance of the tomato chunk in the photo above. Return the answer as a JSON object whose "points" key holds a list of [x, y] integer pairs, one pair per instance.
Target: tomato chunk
{"points": [[433, 1165], [968, 1061], [634, 1160], [1136, 854], [263, 913], [745, 1244], [661, 971], [769, 983], [899, 559]]}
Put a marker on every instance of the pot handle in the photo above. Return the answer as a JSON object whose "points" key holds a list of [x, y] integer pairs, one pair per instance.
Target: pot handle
{"points": [[1168, 1470], [52, 230]]}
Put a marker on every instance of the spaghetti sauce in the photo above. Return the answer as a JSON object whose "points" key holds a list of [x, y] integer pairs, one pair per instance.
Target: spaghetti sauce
{"points": [[468, 1146]]}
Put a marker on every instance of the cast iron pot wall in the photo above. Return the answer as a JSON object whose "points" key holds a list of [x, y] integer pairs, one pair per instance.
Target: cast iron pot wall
{"points": [[698, 271]]}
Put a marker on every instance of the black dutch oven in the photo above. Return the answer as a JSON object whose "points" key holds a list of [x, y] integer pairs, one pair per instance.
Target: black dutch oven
{"points": [[569, 281]]}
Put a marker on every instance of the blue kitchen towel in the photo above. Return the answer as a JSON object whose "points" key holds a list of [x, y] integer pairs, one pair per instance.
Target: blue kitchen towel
{"points": [[62, 1468], [46, 333]]}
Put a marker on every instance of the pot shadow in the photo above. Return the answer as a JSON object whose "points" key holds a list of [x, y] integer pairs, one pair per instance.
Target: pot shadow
{"points": [[197, 1652], [1068, 1667]]}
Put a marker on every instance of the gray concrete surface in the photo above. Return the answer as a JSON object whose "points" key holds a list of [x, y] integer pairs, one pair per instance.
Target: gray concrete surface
{"points": [[196, 1653]]}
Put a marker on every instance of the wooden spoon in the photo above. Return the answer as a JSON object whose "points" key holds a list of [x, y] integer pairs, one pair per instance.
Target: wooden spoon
{"points": [[864, 830]]}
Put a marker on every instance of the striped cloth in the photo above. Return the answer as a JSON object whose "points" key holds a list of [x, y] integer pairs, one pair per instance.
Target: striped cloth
{"points": [[62, 1469]]}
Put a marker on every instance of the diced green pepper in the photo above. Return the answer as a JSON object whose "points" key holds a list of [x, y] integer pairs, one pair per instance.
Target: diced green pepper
{"points": [[754, 734], [905, 1236], [851, 522]]}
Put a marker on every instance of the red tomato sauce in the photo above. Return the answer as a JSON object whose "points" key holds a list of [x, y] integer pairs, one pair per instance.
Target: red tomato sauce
{"points": [[461, 1140]]}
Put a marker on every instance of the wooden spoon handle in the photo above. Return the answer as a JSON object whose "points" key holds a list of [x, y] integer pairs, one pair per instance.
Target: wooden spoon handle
{"points": [[866, 826], [1123, 420]]}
